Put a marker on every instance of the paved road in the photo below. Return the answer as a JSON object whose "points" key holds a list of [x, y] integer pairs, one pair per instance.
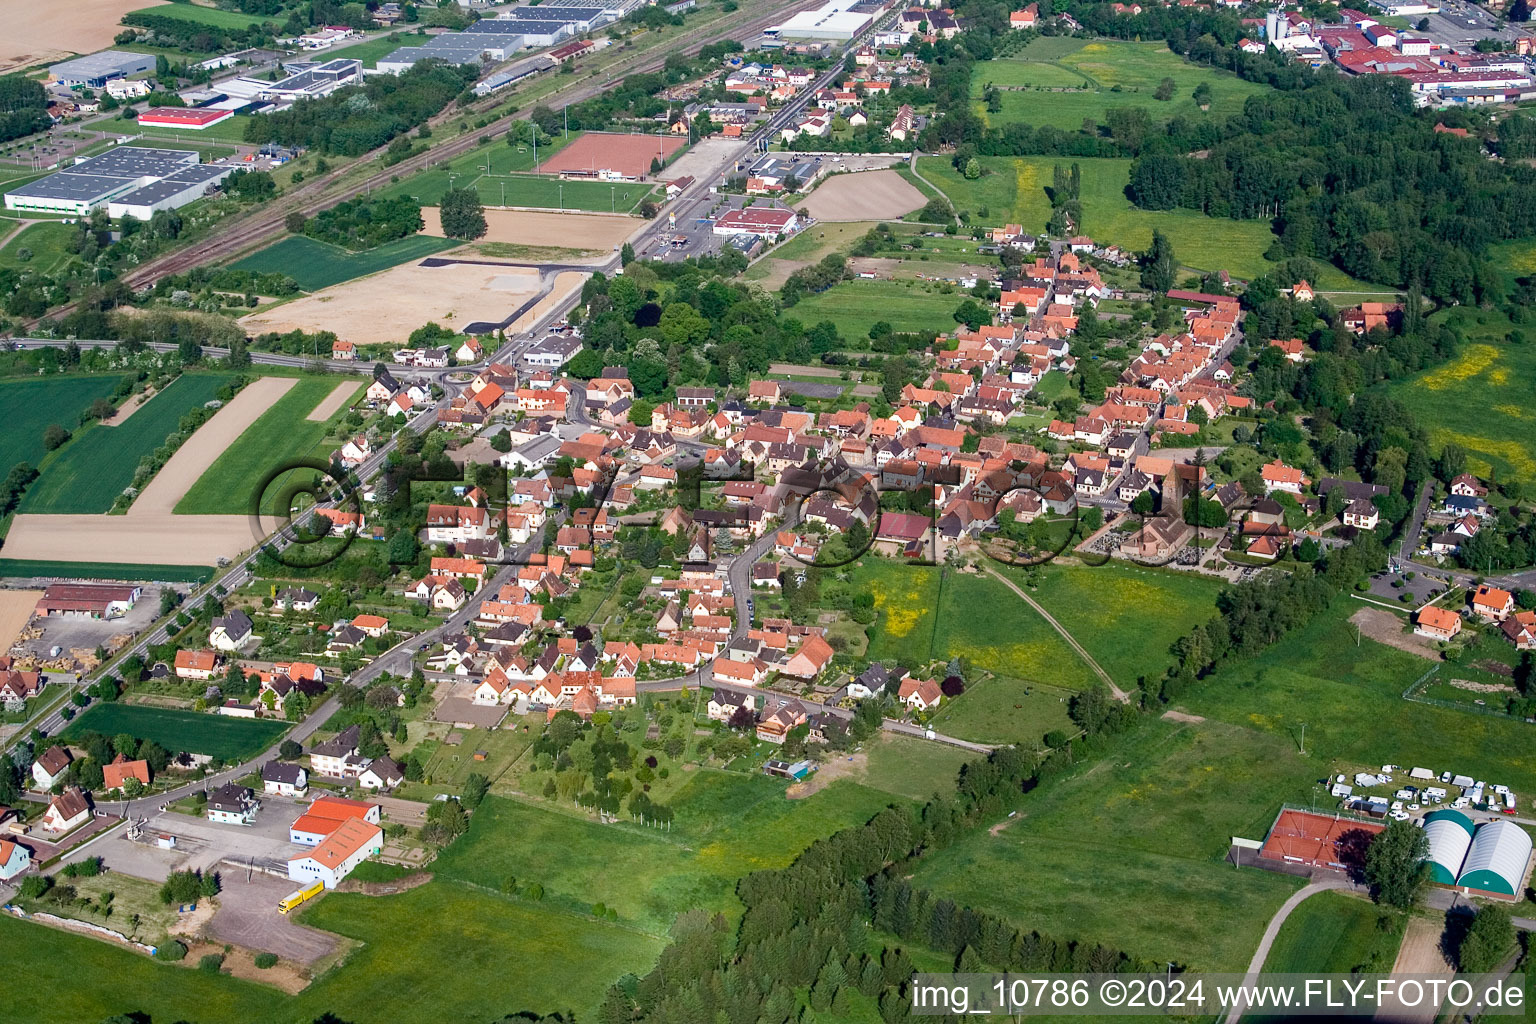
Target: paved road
{"points": [[1120, 694], [1416, 523]]}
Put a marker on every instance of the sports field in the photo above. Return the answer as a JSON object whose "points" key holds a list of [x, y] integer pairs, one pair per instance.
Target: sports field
{"points": [[727, 825], [627, 153], [35, 404], [231, 739], [88, 473], [282, 433], [536, 190], [853, 306], [1480, 400], [316, 265], [1061, 87]]}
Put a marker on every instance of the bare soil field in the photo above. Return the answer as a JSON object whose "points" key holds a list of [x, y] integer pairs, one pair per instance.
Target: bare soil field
{"points": [[1384, 627], [566, 282], [15, 610], [704, 160], [129, 407], [333, 402], [868, 195], [563, 230], [44, 33], [612, 151], [387, 307], [205, 446], [151, 539]]}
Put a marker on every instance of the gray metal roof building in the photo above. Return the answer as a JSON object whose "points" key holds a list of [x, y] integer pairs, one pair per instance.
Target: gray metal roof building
{"points": [[97, 69], [118, 175]]}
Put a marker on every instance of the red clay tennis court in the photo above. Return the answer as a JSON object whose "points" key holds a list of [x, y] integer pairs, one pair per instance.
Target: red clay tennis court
{"points": [[1319, 840], [628, 155]]}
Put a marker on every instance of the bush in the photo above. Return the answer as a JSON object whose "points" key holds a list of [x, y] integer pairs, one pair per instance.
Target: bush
{"points": [[171, 952], [211, 963], [266, 960]]}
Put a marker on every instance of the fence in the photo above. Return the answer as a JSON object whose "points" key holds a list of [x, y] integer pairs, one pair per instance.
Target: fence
{"points": [[1415, 693]]}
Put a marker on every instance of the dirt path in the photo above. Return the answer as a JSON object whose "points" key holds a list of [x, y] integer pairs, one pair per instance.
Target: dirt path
{"points": [[129, 407], [1384, 627], [1120, 694], [333, 402], [1419, 954], [1182, 716], [16, 607], [205, 446]]}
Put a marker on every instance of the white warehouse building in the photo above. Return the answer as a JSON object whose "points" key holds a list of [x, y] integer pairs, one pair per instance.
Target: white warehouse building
{"points": [[128, 180]]}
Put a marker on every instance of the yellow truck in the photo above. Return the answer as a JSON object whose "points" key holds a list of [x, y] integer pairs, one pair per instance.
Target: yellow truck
{"points": [[297, 897]]}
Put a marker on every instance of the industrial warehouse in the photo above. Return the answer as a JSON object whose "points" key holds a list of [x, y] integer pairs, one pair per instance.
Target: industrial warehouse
{"points": [[498, 38], [130, 181]]}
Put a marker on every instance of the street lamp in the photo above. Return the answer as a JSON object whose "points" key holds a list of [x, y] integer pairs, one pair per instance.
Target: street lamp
{"points": [[560, 191]]}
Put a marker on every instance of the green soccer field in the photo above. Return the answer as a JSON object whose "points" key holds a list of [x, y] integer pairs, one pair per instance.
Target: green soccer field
{"points": [[315, 265], [280, 435], [232, 739], [89, 472]]}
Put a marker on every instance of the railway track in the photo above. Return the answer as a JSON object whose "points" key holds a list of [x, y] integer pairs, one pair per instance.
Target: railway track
{"points": [[254, 230]]}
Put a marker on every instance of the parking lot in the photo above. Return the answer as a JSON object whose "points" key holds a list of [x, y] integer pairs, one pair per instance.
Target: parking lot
{"points": [[82, 633], [248, 917], [202, 845]]}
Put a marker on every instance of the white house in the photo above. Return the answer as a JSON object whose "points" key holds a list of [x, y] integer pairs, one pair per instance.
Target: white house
{"points": [[230, 632], [381, 773], [232, 805], [50, 767], [68, 810], [284, 778]]}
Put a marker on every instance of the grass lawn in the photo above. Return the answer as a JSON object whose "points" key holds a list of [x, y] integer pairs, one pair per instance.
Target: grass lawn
{"points": [[88, 473], [231, 129], [1330, 933], [281, 434], [205, 15], [913, 768], [727, 826], [1014, 191], [1052, 386], [1480, 399], [131, 897], [563, 961], [371, 50], [503, 175], [807, 247], [232, 739], [38, 402], [1126, 616], [18, 567], [47, 243], [1104, 75], [854, 306], [316, 265], [1001, 709], [74, 978]]}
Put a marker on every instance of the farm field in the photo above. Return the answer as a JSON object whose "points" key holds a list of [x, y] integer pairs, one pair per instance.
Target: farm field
{"points": [[1003, 709], [913, 768], [281, 434], [204, 15], [727, 826], [853, 306], [1480, 399], [1014, 191], [1102, 607], [867, 195], [88, 473], [1103, 75], [316, 265], [34, 404], [23, 568], [231, 739], [48, 242]]}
